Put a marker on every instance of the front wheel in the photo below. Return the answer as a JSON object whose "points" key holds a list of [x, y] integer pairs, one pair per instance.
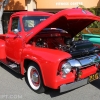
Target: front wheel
{"points": [[34, 78]]}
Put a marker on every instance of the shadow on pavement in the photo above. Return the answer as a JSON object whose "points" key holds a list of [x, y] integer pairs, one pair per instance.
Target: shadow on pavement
{"points": [[96, 84], [54, 93], [17, 75]]}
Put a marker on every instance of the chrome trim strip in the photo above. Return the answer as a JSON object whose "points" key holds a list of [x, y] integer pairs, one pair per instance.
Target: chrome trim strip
{"points": [[71, 86], [74, 63], [84, 61]]}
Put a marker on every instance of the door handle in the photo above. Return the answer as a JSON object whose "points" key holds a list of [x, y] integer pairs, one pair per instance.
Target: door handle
{"points": [[7, 36], [18, 36]]}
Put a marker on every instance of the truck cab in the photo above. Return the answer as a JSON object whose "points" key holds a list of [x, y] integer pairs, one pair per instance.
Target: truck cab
{"points": [[14, 39]]}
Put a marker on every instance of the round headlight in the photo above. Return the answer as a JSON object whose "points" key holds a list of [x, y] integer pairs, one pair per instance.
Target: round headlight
{"points": [[66, 68]]}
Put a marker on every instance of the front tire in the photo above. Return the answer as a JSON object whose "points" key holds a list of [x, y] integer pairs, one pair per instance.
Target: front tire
{"points": [[34, 78]]}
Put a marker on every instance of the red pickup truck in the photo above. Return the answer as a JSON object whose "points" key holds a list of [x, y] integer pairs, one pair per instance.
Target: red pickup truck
{"points": [[41, 44]]}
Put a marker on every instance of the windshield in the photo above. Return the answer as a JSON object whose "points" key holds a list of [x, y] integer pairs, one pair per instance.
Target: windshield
{"points": [[31, 21]]}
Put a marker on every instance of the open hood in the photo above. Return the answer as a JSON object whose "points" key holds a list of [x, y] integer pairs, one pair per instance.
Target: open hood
{"points": [[71, 20]]}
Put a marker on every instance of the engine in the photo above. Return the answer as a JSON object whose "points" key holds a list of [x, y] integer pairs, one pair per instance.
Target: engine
{"points": [[81, 48], [64, 42]]}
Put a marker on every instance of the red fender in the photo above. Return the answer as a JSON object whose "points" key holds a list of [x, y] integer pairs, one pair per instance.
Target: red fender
{"points": [[2, 49]]}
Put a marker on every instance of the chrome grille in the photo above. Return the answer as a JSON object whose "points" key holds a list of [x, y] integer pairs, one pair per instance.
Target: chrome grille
{"points": [[85, 61]]}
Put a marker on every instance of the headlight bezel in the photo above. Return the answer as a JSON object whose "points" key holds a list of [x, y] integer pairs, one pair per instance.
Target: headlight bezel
{"points": [[62, 68], [66, 68]]}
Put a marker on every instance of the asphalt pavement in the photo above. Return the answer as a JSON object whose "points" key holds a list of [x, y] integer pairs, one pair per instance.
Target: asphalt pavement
{"points": [[14, 87]]}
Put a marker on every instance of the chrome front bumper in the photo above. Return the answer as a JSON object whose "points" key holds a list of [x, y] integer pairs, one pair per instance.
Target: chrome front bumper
{"points": [[71, 86]]}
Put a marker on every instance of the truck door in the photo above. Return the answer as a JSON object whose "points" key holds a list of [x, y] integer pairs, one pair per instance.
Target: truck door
{"points": [[14, 40]]}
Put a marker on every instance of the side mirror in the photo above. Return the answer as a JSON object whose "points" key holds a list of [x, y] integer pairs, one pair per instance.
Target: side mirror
{"points": [[15, 31], [17, 34]]}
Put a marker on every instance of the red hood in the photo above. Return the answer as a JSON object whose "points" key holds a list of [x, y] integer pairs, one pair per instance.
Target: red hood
{"points": [[71, 20]]}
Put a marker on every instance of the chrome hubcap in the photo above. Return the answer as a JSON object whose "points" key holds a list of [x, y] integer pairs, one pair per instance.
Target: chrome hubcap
{"points": [[35, 77]]}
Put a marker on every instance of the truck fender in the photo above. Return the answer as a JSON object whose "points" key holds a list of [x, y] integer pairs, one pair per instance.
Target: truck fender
{"points": [[2, 49], [29, 60]]}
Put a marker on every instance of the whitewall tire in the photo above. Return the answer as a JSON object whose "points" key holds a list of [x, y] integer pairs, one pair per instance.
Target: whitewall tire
{"points": [[34, 78]]}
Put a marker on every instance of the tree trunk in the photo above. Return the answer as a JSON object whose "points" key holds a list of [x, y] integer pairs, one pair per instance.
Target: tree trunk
{"points": [[1, 13]]}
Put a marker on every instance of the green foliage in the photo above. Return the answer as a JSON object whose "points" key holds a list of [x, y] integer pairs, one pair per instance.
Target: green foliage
{"points": [[95, 11], [96, 24]]}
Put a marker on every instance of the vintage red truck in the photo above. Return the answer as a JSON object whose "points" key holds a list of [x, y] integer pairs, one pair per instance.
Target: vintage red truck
{"points": [[41, 44]]}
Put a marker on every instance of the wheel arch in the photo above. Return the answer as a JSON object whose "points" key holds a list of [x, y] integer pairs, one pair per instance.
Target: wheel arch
{"points": [[27, 62]]}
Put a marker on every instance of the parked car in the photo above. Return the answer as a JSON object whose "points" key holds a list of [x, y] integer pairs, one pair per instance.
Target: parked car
{"points": [[94, 38], [41, 44]]}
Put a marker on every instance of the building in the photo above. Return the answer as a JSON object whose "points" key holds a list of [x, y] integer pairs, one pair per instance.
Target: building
{"points": [[49, 4], [44, 5]]}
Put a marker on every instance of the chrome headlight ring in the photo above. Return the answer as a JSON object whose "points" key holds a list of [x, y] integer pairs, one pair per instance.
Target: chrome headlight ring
{"points": [[66, 68]]}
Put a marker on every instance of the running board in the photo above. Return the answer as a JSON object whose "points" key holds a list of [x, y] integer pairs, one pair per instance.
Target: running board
{"points": [[15, 67]]}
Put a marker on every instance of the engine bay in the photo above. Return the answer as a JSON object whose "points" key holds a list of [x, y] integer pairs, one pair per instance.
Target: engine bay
{"points": [[61, 40]]}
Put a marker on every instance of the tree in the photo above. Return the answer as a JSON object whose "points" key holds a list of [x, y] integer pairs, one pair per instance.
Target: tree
{"points": [[95, 11], [2, 4]]}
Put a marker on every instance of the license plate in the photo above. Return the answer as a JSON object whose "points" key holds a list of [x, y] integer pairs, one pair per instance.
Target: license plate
{"points": [[93, 77]]}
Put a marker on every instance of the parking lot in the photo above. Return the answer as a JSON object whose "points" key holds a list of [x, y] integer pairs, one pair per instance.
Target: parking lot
{"points": [[14, 87]]}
